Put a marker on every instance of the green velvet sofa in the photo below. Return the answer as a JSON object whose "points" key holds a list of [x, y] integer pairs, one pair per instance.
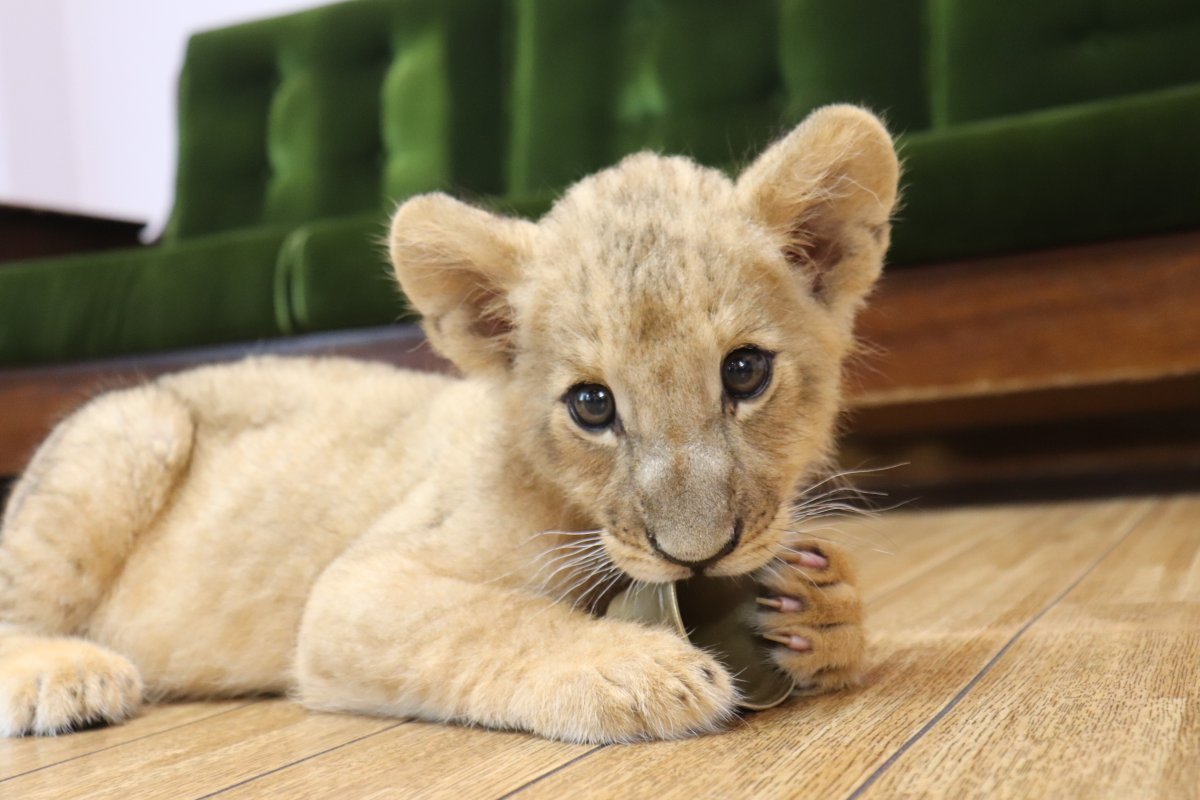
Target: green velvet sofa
{"points": [[1024, 124]]}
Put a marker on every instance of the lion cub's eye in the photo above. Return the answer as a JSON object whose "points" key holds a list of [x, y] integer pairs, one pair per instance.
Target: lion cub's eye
{"points": [[746, 372], [591, 405]]}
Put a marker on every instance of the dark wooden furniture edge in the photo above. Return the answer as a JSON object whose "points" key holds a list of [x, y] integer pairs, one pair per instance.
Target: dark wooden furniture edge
{"points": [[1117, 438], [28, 232], [1125, 311], [964, 362]]}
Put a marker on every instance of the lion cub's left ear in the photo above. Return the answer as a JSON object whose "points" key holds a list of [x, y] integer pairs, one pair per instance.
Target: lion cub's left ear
{"points": [[827, 191], [457, 264]]}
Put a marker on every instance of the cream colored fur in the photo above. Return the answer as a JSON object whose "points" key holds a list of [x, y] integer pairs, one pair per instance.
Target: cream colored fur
{"points": [[376, 540]]}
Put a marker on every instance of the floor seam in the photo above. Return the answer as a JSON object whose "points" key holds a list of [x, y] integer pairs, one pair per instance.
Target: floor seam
{"points": [[995, 659], [308, 757], [548, 773], [127, 741]]}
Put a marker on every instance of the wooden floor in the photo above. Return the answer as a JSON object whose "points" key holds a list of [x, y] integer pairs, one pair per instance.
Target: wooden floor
{"points": [[1021, 651]]}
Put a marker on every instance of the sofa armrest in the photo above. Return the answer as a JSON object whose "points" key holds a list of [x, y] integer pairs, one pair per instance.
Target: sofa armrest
{"points": [[1108, 169], [335, 274], [208, 290]]}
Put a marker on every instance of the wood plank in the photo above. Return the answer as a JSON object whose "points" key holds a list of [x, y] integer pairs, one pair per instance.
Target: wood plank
{"points": [[930, 639], [1100, 698], [197, 759], [418, 760], [18, 756], [1086, 315], [900, 547], [1051, 405]]}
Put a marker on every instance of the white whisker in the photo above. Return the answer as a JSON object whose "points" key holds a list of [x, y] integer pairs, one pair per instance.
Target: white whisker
{"points": [[604, 589], [596, 532], [589, 562]]}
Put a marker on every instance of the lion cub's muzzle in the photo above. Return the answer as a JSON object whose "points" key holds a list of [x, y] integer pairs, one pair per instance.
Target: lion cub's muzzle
{"points": [[697, 566], [686, 499]]}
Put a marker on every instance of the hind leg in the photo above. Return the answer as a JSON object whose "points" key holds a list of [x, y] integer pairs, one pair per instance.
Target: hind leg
{"points": [[99, 480]]}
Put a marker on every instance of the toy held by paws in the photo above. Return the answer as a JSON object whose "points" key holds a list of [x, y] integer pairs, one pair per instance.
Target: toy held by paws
{"points": [[792, 627]]}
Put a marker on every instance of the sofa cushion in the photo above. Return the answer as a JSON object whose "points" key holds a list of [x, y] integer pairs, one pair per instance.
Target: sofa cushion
{"points": [[596, 79], [329, 111], [1120, 167], [856, 51], [990, 58], [216, 289], [335, 274]]}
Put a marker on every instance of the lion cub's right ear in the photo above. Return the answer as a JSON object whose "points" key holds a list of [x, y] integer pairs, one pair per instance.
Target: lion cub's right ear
{"points": [[457, 265], [827, 189]]}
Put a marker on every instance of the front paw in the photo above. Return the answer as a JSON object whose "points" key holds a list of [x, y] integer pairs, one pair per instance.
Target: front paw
{"points": [[811, 610], [635, 683], [54, 685]]}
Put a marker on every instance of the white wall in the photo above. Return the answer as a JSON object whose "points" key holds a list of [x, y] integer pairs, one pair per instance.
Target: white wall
{"points": [[35, 103], [87, 98]]}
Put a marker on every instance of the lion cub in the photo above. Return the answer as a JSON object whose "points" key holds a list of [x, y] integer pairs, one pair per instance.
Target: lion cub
{"points": [[652, 375]]}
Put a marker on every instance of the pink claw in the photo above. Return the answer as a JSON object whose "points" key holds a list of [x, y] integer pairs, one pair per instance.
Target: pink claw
{"points": [[790, 641], [807, 558], [784, 604], [790, 604]]}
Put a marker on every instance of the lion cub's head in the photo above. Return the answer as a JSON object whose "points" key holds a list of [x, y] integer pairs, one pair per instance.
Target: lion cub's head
{"points": [[669, 341]]}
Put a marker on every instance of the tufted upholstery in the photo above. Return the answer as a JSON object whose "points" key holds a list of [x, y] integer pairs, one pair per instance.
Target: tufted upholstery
{"points": [[716, 80], [1091, 153], [330, 111], [219, 288], [990, 61], [1074, 173], [597, 79], [856, 50], [1025, 123]]}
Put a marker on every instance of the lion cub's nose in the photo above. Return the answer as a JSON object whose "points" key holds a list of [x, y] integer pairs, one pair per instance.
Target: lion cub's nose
{"points": [[698, 567]]}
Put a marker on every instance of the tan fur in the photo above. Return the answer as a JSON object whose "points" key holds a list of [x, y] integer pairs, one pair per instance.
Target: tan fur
{"points": [[383, 541]]}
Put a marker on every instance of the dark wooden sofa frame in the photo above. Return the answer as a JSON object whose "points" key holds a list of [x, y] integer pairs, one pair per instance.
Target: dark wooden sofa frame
{"points": [[1038, 368]]}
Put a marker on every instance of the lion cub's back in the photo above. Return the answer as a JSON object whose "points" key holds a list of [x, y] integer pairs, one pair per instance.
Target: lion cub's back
{"points": [[268, 389], [332, 441]]}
